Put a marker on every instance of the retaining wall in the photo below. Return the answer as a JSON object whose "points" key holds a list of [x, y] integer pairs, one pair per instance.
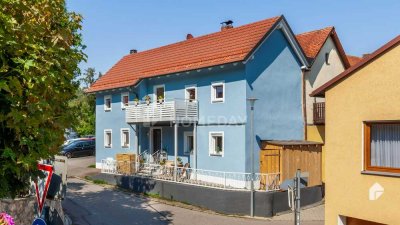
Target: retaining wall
{"points": [[267, 204]]}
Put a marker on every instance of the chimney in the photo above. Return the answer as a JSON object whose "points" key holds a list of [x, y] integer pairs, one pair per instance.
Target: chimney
{"points": [[189, 36], [226, 25], [132, 51]]}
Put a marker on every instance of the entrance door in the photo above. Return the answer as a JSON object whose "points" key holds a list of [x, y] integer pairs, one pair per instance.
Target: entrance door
{"points": [[156, 140]]}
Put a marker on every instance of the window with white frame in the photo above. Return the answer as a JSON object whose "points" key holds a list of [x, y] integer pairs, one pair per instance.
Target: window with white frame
{"points": [[218, 92], [188, 143], [191, 93], [124, 100], [125, 138], [216, 143], [107, 103], [108, 138]]}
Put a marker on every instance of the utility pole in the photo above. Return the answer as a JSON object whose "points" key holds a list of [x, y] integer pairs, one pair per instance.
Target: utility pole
{"points": [[252, 137]]}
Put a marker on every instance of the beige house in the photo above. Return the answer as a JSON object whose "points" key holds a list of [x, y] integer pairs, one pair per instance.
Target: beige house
{"points": [[328, 59], [363, 141]]}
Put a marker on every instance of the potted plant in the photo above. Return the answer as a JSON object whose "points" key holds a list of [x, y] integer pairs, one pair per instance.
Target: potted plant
{"points": [[147, 99], [160, 99], [136, 101], [162, 162], [179, 160]]}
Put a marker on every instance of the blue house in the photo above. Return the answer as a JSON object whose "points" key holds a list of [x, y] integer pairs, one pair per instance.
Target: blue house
{"points": [[188, 100]]}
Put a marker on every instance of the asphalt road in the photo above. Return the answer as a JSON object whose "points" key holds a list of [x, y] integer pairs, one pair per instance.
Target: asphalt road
{"points": [[79, 167], [88, 203]]}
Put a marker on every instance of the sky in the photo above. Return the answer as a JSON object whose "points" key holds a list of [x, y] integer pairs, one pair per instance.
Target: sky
{"points": [[112, 27]]}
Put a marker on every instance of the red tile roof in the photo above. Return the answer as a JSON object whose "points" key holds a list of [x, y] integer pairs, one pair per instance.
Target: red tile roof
{"points": [[353, 59], [313, 41], [230, 45], [363, 62]]}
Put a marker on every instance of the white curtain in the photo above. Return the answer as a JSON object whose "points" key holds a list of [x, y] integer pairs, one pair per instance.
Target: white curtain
{"points": [[385, 145]]}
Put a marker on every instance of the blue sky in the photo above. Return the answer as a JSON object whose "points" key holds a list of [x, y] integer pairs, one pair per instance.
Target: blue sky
{"points": [[112, 27]]}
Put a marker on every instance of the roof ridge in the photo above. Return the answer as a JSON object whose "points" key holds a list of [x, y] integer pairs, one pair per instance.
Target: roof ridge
{"points": [[203, 36]]}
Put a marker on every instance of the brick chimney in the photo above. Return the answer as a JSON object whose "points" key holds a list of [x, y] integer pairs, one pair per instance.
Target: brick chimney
{"points": [[189, 36], [132, 51]]}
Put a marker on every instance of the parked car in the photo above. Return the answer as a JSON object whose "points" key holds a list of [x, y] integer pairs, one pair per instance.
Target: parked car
{"points": [[79, 147]]}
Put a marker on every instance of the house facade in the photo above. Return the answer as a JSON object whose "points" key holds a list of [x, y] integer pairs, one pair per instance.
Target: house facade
{"points": [[197, 91], [328, 59], [362, 140]]}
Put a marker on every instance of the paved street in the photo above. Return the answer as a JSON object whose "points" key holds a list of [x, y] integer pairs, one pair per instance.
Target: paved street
{"points": [[79, 166], [89, 203], [92, 204]]}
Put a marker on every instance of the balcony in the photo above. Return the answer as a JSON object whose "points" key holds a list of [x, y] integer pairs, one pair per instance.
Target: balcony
{"points": [[180, 110], [319, 113]]}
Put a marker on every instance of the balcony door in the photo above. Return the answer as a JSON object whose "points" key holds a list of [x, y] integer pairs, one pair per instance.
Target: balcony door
{"points": [[156, 140]]}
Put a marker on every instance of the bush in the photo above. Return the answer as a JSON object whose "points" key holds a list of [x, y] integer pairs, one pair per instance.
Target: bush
{"points": [[40, 49]]}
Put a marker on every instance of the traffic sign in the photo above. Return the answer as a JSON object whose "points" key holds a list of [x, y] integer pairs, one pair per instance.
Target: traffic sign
{"points": [[39, 221], [42, 185]]}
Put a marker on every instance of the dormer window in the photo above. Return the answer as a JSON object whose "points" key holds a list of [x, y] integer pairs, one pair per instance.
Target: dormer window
{"points": [[107, 103], [124, 100]]}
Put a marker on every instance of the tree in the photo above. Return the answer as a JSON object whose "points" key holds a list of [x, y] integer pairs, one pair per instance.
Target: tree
{"points": [[88, 77], [40, 49], [84, 106]]}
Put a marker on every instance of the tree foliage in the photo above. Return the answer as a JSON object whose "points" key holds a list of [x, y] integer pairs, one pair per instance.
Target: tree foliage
{"points": [[40, 49], [84, 105]]}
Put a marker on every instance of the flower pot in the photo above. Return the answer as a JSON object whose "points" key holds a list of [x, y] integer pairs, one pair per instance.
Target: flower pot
{"points": [[136, 103], [148, 102]]}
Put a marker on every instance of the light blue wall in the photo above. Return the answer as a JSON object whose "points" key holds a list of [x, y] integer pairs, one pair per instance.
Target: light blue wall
{"points": [[229, 116], [274, 78], [115, 120]]}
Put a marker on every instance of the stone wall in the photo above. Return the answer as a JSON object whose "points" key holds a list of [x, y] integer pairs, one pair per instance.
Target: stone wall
{"points": [[22, 210]]}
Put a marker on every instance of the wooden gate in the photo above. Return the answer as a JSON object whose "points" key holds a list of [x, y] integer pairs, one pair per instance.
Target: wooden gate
{"points": [[270, 159]]}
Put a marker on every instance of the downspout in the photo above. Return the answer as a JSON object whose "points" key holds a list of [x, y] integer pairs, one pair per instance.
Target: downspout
{"points": [[303, 100]]}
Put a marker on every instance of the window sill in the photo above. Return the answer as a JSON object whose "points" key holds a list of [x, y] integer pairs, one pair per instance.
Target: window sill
{"points": [[107, 110], [217, 101], [219, 155], [107, 146], [125, 146], [378, 173]]}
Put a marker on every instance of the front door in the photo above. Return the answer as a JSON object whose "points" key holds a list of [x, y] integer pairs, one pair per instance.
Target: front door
{"points": [[156, 140]]}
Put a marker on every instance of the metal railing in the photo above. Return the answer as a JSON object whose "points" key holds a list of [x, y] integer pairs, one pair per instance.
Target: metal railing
{"points": [[199, 177], [319, 113], [166, 110]]}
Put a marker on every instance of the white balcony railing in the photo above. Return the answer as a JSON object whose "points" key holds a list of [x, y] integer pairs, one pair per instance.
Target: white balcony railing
{"points": [[175, 110]]}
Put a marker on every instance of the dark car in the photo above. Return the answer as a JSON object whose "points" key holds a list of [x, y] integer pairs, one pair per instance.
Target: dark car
{"points": [[82, 147]]}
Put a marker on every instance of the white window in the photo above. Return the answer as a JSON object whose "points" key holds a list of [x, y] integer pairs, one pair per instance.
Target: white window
{"points": [[125, 137], [188, 143], [124, 100], [108, 138], [216, 143], [159, 92], [218, 92], [107, 103], [191, 93]]}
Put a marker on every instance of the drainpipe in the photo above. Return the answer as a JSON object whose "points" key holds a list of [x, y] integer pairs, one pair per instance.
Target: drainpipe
{"points": [[303, 100]]}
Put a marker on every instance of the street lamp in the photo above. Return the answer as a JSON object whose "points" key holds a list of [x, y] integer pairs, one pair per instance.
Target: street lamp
{"points": [[252, 101]]}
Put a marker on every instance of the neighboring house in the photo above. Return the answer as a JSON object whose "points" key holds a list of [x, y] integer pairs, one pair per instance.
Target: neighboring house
{"points": [[328, 59], [363, 140], [204, 83]]}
